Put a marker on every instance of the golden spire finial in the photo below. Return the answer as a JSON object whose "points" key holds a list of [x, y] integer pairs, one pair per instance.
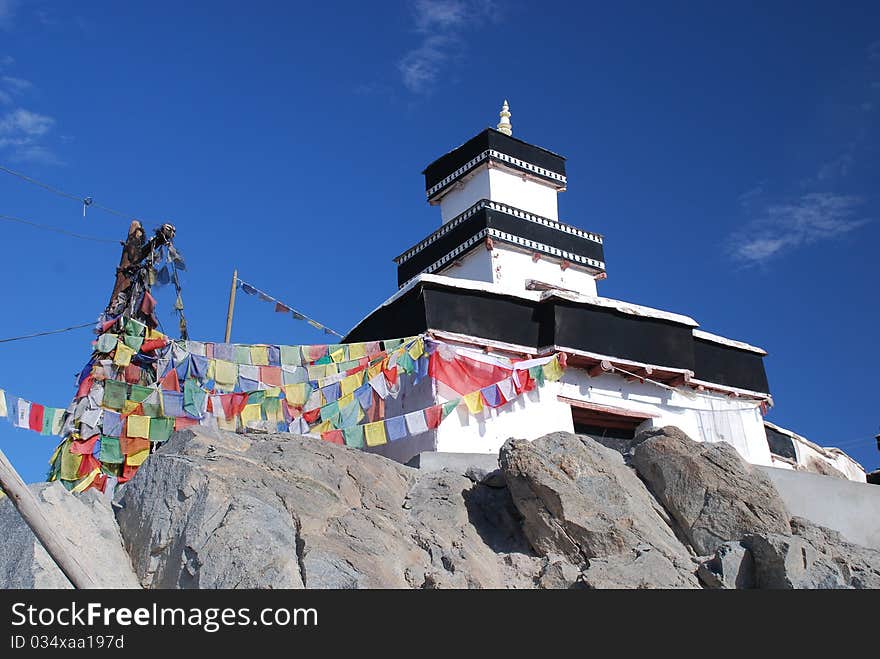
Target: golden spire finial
{"points": [[504, 125]]}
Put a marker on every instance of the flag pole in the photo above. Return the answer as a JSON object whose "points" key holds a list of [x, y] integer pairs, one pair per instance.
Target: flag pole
{"points": [[231, 306], [53, 542]]}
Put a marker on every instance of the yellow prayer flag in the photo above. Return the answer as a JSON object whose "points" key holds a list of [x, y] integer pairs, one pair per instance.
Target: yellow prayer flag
{"points": [[324, 426], [356, 351], [417, 349], [137, 459], [138, 426], [3, 410], [259, 355], [226, 424], [252, 412], [474, 402], [350, 383], [58, 422], [375, 369], [212, 369], [70, 463], [337, 354], [123, 355], [552, 369], [85, 482], [153, 334], [345, 401], [375, 433], [295, 393], [128, 407], [225, 373]]}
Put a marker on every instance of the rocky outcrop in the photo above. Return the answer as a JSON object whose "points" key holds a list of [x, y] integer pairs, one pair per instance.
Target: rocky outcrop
{"points": [[221, 510], [712, 493], [86, 525], [813, 557], [269, 511], [580, 501]]}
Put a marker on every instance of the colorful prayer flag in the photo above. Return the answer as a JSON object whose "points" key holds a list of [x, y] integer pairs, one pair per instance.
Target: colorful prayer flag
{"points": [[375, 433]]}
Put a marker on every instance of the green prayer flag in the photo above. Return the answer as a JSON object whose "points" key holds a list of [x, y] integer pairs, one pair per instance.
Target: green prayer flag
{"points": [[391, 344], [323, 360], [256, 397], [106, 343], [139, 393], [405, 363], [537, 373], [152, 409], [134, 342], [161, 428], [291, 356], [48, 419], [330, 412], [271, 406], [110, 450], [449, 406], [242, 355], [114, 394], [134, 327], [354, 436], [193, 398]]}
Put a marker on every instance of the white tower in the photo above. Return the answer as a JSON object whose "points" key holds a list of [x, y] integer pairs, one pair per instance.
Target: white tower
{"points": [[500, 220]]}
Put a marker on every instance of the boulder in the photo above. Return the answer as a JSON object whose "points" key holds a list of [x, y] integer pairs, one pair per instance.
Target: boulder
{"points": [[813, 557], [710, 491], [580, 501], [86, 525], [731, 567], [220, 510]]}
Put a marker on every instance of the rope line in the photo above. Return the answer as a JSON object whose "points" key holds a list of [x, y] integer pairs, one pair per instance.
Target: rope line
{"points": [[86, 202], [46, 227], [46, 333]]}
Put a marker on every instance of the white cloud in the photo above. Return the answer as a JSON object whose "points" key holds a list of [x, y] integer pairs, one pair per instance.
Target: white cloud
{"points": [[785, 226], [837, 168], [25, 122], [440, 24], [36, 153], [7, 12]]}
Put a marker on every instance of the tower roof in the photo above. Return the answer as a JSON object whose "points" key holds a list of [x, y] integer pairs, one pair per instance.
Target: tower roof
{"points": [[494, 145]]}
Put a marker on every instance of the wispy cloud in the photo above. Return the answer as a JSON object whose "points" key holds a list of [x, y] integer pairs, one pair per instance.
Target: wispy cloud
{"points": [[440, 25], [8, 9], [23, 132], [781, 227]]}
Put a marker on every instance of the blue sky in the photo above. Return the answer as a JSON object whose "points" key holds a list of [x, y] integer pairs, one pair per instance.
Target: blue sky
{"points": [[729, 155]]}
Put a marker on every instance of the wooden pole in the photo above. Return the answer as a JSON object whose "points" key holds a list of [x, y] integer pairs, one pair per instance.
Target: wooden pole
{"points": [[29, 509], [231, 306]]}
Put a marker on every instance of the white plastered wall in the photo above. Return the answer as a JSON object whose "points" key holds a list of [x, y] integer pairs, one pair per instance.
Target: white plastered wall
{"points": [[706, 417], [503, 186], [510, 268]]}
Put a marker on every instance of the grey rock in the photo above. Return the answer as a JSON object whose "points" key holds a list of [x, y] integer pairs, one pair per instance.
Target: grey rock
{"points": [[86, 525], [557, 573], [814, 557], [712, 493], [731, 567], [579, 500], [490, 478], [219, 510]]}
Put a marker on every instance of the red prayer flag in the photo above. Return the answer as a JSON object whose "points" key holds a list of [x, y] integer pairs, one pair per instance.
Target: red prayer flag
{"points": [[132, 374], [148, 306], [182, 422], [35, 422], [85, 387], [129, 445], [333, 436], [128, 472], [433, 416], [465, 375], [390, 375], [153, 344], [88, 465], [280, 308], [170, 381], [271, 375], [84, 447], [312, 415]]}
